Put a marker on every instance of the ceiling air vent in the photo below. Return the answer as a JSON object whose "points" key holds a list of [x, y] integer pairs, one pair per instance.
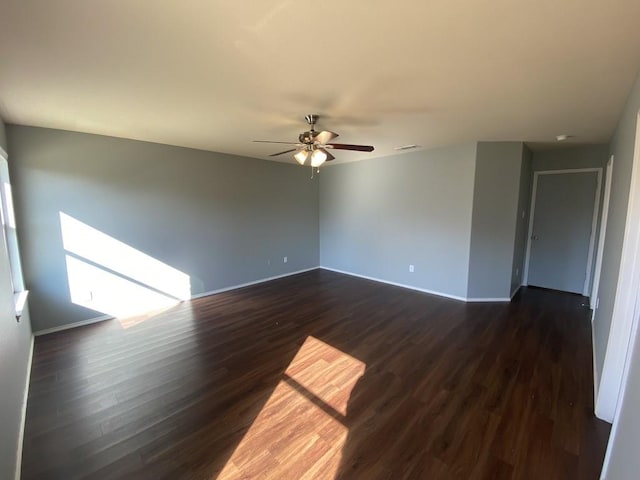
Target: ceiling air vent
{"points": [[406, 147]]}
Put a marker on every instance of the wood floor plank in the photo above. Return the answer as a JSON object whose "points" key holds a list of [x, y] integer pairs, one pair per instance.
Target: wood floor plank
{"points": [[320, 376]]}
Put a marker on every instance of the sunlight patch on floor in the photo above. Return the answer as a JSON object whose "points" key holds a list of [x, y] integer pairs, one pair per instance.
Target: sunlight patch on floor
{"points": [[300, 432], [326, 372]]}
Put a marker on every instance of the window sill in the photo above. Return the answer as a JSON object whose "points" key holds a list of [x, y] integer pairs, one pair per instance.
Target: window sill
{"points": [[19, 300]]}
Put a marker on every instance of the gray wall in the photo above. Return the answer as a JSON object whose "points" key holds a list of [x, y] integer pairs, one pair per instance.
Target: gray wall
{"points": [[221, 219], [592, 156], [495, 211], [622, 145], [379, 216], [15, 349], [522, 221]]}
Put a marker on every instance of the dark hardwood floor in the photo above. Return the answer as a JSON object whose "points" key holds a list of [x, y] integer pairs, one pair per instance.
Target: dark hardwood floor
{"points": [[321, 376]]}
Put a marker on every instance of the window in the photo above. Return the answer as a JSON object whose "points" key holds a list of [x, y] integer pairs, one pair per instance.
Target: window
{"points": [[10, 236]]}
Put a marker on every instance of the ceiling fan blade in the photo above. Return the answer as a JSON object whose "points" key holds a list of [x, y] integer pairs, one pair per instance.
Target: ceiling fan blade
{"points": [[282, 153], [346, 146], [329, 156], [269, 141], [324, 136]]}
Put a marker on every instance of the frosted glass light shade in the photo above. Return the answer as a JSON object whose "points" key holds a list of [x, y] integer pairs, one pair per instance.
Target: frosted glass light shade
{"points": [[318, 157], [301, 156]]}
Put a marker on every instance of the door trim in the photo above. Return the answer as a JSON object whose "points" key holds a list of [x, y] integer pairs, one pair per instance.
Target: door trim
{"points": [[624, 319], [594, 222], [603, 231]]}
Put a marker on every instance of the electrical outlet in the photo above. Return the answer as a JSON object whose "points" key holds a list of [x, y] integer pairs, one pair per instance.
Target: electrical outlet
{"points": [[411, 269], [517, 273], [284, 259], [268, 262], [523, 213]]}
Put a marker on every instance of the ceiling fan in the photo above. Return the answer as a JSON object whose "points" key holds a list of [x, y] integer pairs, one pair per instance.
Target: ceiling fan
{"points": [[314, 145]]}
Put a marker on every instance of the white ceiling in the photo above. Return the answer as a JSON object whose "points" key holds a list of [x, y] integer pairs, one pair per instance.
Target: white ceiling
{"points": [[216, 74]]}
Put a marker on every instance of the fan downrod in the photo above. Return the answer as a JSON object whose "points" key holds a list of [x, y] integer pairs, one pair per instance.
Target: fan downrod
{"points": [[308, 136]]}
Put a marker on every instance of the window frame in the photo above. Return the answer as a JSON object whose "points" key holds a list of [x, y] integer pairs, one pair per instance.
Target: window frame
{"points": [[10, 236]]}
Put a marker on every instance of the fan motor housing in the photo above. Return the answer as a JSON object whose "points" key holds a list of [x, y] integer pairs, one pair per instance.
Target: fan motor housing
{"points": [[306, 137]]}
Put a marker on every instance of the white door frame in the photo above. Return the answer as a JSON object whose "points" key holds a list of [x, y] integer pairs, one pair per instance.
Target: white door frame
{"points": [[593, 299], [594, 222], [613, 437], [624, 318]]}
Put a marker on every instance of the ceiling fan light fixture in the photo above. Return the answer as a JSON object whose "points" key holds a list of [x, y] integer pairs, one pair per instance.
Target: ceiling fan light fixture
{"points": [[301, 156], [318, 157], [315, 146]]}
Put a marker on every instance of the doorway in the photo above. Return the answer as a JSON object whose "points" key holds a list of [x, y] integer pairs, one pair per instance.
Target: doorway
{"points": [[562, 228]]}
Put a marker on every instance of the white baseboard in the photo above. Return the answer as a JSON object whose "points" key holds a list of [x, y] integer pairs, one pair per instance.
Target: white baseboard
{"points": [[248, 284], [102, 318], [268, 279], [488, 299], [68, 326], [595, 369], [424, 290], [497, 299], [23, 413], [395, 284]]}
